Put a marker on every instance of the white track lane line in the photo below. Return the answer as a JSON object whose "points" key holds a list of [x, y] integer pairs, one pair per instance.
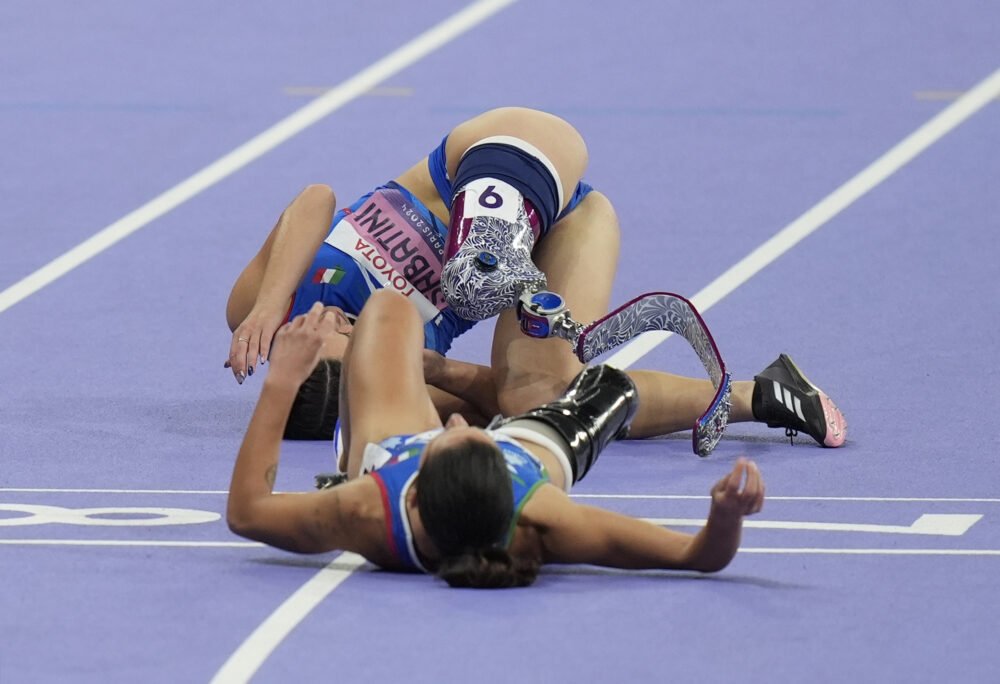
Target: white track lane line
{"points": [[834, 203], [934, 524], [459, 23], [252, 653]]}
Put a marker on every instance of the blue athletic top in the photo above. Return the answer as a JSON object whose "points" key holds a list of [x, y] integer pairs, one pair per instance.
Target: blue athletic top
{"points": [[388, 238], [397, 473]]}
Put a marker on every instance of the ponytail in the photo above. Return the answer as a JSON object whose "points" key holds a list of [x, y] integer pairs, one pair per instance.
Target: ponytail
{"points": [[489, 568]]}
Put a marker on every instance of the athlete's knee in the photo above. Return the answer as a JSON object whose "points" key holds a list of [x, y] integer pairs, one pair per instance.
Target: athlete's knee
{"points": [[385, 302], [603, 211], [517, 398], [390, 310]]}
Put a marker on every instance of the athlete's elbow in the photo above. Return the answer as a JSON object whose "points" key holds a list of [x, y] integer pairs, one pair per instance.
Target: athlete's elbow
{"points": [[319, 194], [240, 518], [712, 565], [713, 560], [238, 523]]}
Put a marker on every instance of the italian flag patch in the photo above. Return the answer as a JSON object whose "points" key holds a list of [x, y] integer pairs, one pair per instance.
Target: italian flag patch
{"points": [[328, 275]]}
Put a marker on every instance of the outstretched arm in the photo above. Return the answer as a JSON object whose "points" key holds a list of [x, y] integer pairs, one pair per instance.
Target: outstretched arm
{"points": [[583, 534], [259, 299], [311, 522]]}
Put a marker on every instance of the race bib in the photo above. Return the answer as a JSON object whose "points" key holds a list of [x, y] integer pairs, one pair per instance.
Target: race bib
{"points": [[397, 245]]}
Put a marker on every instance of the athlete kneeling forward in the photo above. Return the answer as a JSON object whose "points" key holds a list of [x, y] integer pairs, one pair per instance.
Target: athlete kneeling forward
{"points": [[481, 508], [457, 234]]}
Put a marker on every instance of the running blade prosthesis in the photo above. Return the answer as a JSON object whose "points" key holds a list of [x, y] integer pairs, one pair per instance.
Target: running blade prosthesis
{"points": [[544, 314], [784, 397]]}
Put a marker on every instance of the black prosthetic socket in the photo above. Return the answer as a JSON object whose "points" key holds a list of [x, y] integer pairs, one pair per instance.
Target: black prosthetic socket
{"points": [[597, 407], [756, 402], [330, 480]]}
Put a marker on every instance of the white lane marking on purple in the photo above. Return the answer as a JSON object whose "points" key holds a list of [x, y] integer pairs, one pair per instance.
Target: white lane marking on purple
{"points": [[413, 51], [252, 653], [938, 524], [36, 514], [834, 203]]}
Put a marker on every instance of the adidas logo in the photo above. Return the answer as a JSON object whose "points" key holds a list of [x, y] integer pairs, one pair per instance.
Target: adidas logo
{"points": [[792, 403]]}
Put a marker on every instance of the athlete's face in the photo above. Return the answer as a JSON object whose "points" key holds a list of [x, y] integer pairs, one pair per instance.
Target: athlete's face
{"points": [[456, 431], [336, 329]]}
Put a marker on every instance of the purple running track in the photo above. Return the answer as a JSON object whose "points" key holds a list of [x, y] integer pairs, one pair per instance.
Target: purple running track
{"points": [[710, 128]]}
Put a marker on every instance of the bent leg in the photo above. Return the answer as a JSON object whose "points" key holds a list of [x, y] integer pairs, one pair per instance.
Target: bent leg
{"points": [[579, 257], [513, 171], [382, 390]]}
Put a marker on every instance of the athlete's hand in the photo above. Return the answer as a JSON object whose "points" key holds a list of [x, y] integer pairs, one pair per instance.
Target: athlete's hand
{"points": [[297, 347], [252, 341], [739, 493]]}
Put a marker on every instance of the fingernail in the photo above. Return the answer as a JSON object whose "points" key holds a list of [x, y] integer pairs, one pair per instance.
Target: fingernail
{"points": [[250, 370], [240, 377]]}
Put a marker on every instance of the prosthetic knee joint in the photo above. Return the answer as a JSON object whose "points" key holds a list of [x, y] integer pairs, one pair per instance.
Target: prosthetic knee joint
{"points": [[596, 408]]}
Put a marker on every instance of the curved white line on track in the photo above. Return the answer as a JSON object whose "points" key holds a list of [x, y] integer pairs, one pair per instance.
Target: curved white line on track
{"points": [[413, 51], [834, 203], [252, 653]]}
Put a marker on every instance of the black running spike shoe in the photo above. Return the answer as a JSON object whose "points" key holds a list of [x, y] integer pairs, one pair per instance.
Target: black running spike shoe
{"points": [[784, 397], [330, 480]]}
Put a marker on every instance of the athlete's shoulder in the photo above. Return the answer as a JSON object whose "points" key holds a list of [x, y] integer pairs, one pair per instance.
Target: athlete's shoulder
{"points": [[546, 506], [352, 518]]}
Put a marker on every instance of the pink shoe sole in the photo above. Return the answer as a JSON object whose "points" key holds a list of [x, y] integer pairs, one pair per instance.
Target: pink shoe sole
{"points": [[836, 424]]}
